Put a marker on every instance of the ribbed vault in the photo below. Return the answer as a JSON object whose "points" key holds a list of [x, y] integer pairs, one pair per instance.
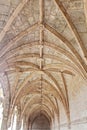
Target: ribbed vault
{"points": [[43, 57]]}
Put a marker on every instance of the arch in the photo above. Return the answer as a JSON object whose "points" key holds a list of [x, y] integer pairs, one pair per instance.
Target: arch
{"points": [[36, 109], [29, 77], [72, 28], [40, 122], [49, 89], [33, 88], [57, 48], [36, 55], [68, 44], [62, 51], [17, 38], [45, 97]]}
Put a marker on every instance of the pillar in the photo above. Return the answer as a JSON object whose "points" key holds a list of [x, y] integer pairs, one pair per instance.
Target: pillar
{"points": [[6, 101], [25, 123], [56, 123], [29, 125], [5, 115], [19, 120]]}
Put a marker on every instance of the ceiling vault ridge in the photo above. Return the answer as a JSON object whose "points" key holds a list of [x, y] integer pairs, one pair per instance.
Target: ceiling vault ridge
{"points": [[41, 20], [41, 25], [72, 27], [51, 45], [68, 44]]}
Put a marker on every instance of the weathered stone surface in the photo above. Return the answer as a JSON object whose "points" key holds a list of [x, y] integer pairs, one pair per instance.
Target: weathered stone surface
{"points": [[43, 64]]}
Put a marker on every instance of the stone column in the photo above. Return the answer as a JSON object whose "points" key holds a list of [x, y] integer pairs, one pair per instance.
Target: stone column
{"points": [[6, 101], [25, 124], [56, 123], [58, 120], [5, 115], [29, 125], [69, 121], [53, 125], [4, 123], [19, 120]]}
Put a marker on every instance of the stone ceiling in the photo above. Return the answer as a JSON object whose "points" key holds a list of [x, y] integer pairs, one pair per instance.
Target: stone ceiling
{"points": [[43, 52]]}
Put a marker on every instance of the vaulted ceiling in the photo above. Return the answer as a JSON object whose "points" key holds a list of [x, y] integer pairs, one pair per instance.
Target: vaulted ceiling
{"points": [[43, 52]]}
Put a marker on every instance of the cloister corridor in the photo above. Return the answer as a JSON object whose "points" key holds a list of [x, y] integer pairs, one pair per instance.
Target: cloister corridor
{"points": [[43, 64]]}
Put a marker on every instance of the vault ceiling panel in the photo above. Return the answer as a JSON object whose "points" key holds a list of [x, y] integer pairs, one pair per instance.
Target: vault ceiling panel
{"points": [[24, 41], [75, 10], [4, 13], [73, 4], [78, 18], [50, 37], [27, 17], [84, 38], [58, 78], [6, 9], [53, 16], [6, 39], [67, 31]]}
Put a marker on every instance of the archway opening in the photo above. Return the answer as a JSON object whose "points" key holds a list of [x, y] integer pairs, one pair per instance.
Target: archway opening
{"points": [[40, 123]]}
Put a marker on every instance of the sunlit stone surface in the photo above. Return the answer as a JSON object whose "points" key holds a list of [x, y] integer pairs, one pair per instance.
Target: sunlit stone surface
{"points": [[43, 64]]}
